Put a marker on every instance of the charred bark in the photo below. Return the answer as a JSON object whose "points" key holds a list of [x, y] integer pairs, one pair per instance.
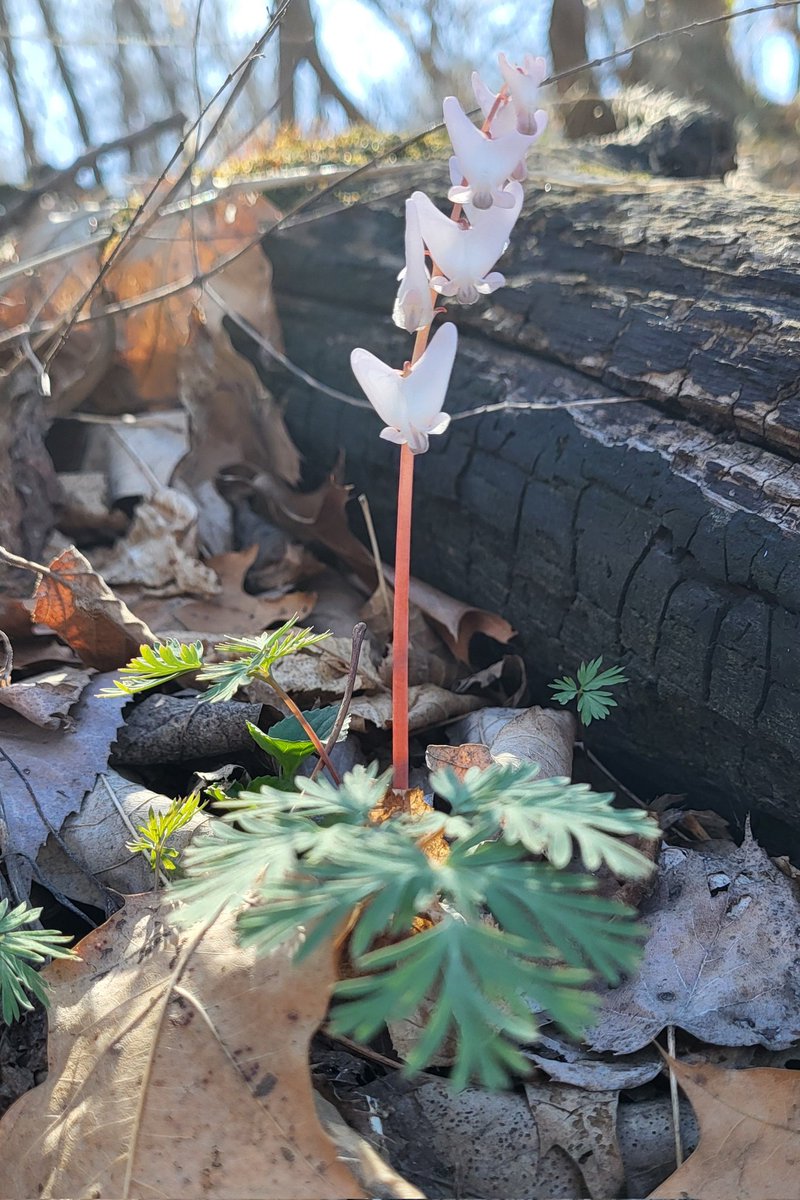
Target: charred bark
{"points": [[663, 533]]}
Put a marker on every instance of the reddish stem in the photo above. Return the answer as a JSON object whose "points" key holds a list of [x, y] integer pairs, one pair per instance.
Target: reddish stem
{"points": [[402, 570], [311, 733], [402, 564]]}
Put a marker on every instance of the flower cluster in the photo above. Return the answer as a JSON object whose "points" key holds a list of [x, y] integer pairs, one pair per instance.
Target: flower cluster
{"points": [[485, 170]]}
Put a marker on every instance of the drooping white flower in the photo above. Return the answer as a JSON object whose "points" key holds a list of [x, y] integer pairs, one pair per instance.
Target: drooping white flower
{"points": [[523, 84], [411, 405], [413, 308], [485, 163], [463, 258]]}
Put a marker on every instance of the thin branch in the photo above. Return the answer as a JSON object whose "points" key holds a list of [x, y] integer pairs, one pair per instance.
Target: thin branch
{"points": [[57, 178], [74, 316], [186, 284], [67, 79], [359, 633], [28, 141]]}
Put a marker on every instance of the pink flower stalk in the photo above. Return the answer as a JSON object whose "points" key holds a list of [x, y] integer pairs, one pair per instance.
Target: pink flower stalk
{"points": [[484, 169]]}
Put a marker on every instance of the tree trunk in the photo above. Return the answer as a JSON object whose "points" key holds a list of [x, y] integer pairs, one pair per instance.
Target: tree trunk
{"points": [[584, 114], [662, 532]]}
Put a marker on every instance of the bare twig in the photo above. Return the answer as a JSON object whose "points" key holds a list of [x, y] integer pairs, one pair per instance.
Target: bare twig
{"points": [[680, 31], [65, 72], [28, 141], [196, 280], [359, 633], [674, 1097], [376, 555], [58, 178]]}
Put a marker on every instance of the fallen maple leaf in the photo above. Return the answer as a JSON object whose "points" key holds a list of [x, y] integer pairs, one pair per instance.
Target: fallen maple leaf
{"points": [[178, 1067], [749, 1134], [80, 607]]}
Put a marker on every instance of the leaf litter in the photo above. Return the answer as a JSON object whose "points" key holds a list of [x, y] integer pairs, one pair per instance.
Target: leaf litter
{"points": [[215, 537]]}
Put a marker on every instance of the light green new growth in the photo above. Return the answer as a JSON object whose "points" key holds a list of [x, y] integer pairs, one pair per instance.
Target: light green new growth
{"points": [[508, 936], [20, 949], [158, 829], [168, 660], [590, 690]]}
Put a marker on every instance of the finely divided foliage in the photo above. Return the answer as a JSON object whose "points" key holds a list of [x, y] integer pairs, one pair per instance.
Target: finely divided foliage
{"points": [[502, 930], [169, 660], [22, 949]]}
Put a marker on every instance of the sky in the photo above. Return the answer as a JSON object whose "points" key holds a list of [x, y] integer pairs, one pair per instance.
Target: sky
{"points": [[363, 51]]}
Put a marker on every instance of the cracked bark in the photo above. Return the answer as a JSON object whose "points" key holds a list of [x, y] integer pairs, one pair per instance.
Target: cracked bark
{"points": [[663, 533]]}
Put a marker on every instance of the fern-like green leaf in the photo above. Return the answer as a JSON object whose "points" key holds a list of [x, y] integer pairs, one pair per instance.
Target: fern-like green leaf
{"points": [[547, 816], [157, 665], [590, 690], [481, 978], [21, 948]]}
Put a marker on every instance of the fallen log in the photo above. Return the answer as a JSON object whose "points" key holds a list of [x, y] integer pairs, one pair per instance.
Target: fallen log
{"points": [[661, 532]]}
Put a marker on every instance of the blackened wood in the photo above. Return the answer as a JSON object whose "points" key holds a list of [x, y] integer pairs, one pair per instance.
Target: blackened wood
{"points": [[650, 532]]}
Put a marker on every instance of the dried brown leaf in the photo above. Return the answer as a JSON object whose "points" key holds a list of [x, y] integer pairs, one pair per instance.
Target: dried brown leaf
{"points": [[459, 759], [80, 607], [457, 623], [232, 609], [720, 960], [178, 1067], [151, 337], [45, 773], [749, 1134], [98, 834], [46, 699]]}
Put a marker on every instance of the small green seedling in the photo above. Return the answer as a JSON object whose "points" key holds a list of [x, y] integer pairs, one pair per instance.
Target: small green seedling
{"points": [[158, 829], [590, 690], [20, 949]]}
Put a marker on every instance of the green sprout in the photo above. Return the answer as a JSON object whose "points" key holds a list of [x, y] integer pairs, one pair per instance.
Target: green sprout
{"points": [[157, 831], [590, 690], [20, 949]]}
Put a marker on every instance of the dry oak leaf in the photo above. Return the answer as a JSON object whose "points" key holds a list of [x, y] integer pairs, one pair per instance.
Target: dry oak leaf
{"points": [[86, 614], [720, 960], [232, 609], [178, 1066], [455, 622], [749, 1134]]}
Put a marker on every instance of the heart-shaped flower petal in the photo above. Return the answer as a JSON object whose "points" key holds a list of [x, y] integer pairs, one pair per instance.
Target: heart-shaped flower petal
{"points": [[523, 84], [464, 258], [411, 405], [413, 308], [484, 163]]}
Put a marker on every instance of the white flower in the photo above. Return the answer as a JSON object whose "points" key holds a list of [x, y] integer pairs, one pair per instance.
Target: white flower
{"points": [[462, 257], [505, 118], [485, 163], [411, 405], [523, 84], [413, 308]]}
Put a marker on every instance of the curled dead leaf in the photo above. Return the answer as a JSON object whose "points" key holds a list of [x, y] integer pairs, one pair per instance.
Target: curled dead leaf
{"points": [[77, 604]]}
